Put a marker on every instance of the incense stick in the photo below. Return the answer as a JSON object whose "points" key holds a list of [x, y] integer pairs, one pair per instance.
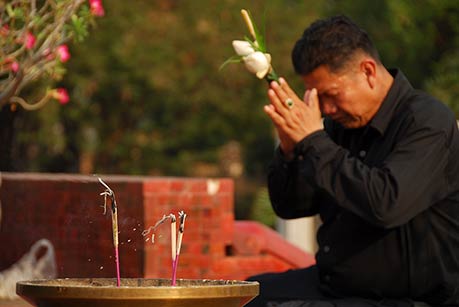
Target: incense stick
{"points": [[182, 217], [173, 244], [115, 242], [109, 192], [176, 240]]}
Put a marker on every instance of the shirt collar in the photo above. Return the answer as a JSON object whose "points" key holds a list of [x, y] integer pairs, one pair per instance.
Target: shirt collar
{"points": [[400, 87]]}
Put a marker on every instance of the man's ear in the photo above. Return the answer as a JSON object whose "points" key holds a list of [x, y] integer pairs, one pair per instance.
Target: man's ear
{"points": [[368, 68]]}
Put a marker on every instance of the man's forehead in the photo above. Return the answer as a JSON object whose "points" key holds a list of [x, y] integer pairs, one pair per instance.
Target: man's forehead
{"points": [[322, 80]]}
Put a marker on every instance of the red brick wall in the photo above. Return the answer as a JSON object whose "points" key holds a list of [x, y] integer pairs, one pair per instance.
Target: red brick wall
{"points": [[208, 227], [66, 209]]}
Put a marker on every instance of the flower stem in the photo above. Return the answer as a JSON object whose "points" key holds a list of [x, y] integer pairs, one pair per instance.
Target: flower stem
{"points": [[272, 76]]}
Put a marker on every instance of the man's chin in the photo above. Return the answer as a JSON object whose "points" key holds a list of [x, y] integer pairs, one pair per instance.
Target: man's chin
{"points": [[350, 124]]}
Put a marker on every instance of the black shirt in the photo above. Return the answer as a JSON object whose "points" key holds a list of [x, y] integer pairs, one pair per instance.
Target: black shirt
{"points": [[388, 197]]}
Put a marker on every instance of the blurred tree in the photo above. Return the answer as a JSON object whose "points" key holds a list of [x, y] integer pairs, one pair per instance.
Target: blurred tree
{"points": [[148, 97]]}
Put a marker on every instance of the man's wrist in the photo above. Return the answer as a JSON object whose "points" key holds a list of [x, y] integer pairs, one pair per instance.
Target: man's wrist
{"points": [[287, 155], [302, 146]]}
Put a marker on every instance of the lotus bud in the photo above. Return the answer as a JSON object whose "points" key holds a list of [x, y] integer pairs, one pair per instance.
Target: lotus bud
{"points": [[258, 63], [242, 48]]}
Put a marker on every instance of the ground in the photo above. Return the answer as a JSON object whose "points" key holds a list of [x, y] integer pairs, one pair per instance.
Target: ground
{"points": [[14, 303]]}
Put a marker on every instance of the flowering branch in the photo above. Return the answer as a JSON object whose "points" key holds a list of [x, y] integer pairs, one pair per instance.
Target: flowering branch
{"points": [[252, 52], [33, 38]]}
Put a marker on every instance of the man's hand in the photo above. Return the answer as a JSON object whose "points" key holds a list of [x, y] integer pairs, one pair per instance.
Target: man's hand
{"points": [[293, 123]]}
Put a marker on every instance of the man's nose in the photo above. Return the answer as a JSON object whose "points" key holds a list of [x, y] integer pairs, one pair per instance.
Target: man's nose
{"points": [[328, 108]]}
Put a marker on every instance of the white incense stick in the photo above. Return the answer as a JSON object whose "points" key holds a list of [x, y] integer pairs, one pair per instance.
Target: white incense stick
{"points": [[175, 260]]}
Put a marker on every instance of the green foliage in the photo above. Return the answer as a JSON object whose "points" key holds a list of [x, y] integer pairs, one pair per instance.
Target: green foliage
{"points": [[79, 24], [445, 81], [262, 210]]}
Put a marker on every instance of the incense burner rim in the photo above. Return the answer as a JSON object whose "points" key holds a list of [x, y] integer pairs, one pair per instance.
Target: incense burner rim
{"points": [[135, 288]]}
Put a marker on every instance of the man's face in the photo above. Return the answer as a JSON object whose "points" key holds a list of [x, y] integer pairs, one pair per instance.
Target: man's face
{"points": [[345, 96]]}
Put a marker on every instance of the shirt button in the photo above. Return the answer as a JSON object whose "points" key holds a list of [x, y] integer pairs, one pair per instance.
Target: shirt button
{"points": [[326, 249], [300, 157], [362, 153]]}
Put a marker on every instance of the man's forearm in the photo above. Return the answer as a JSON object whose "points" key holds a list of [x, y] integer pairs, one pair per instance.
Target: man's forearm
{"points": [[291, 196]]}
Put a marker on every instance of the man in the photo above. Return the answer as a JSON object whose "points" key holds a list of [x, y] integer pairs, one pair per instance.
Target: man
{"points": [[381, 169]]}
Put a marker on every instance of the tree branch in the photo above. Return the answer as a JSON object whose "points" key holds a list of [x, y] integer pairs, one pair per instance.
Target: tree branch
{"points": [[30, 107]]}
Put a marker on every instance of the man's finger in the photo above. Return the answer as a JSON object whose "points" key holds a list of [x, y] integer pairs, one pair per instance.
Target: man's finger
{"points": [[314, 99], [277, 101], [275, 117], [283, 94], [288, 91], [306, 97]]}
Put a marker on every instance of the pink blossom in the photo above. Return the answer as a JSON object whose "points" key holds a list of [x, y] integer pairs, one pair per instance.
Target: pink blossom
{"points": [[61, 95], [30, 40], [14, 66], [63, 52], [97, 8]]}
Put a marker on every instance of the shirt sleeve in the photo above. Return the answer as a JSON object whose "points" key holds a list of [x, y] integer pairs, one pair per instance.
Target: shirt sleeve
{"points": [[409, 180], [291, 194]]}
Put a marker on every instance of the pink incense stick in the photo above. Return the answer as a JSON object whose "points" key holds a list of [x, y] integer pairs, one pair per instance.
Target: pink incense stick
{"points": [[173, 247], [174, 271]]}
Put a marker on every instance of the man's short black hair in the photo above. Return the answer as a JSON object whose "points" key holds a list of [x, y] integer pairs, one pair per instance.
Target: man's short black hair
{"points": [[332, 42]]}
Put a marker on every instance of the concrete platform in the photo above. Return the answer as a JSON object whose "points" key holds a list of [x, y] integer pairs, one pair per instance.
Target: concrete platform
{"points": [[14, 303]]}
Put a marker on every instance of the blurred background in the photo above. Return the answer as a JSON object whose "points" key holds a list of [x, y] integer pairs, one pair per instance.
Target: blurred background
{"points": [[147, 96]]}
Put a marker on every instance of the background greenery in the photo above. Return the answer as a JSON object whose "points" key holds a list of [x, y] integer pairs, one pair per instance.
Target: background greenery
{"points": [[147, 96]]}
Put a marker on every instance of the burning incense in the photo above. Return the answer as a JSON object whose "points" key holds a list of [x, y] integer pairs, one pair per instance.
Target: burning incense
{"points": [[176, 240], [182, 217], [109, 192]]}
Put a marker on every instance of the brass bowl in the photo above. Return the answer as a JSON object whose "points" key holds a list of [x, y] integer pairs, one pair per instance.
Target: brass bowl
{"points": [[139, 292]]}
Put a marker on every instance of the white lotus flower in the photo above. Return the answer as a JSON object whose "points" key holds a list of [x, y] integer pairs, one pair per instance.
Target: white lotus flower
{"points": [[258, 63], [253, 52], [242, 48]]}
